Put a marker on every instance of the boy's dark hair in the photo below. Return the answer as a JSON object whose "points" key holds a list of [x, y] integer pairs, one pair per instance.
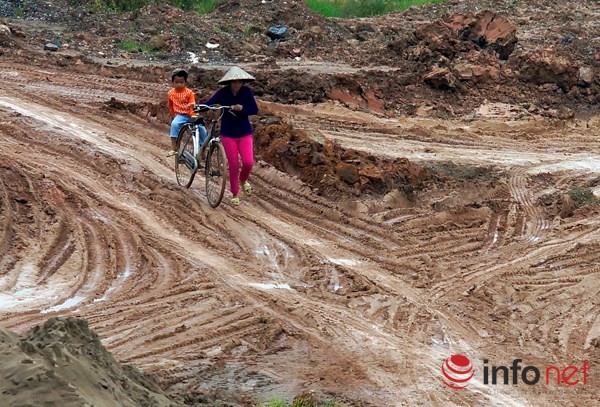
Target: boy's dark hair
{"points": [[179, 73]]}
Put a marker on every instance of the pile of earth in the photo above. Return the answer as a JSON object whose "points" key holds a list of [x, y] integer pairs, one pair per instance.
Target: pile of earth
{"points": [[330, 168], [62, 363], [235, 31]]}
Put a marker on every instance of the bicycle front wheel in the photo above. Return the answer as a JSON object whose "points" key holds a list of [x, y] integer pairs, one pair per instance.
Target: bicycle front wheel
{"points": [[186, 164], [216, 173]]}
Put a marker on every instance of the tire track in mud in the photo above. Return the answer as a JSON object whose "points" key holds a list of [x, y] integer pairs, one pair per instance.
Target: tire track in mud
{"points": [[182, 283], [158, 335], [103, 195], [82, 87], [89, 242], [535, 223], [381, 303], [518, 224]]}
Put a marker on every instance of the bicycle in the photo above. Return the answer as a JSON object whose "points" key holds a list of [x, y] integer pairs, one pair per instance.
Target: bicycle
{"points": [[190, 155]]}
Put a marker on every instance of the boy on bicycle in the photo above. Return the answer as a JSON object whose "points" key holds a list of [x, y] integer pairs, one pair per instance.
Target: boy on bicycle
{"points": [[181, 102]]}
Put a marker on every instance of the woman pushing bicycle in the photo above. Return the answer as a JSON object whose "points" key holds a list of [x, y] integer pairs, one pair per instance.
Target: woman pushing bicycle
{"points": [[236, 131]]}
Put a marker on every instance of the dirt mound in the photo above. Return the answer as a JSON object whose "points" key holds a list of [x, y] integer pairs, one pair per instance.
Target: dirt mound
{"points": [[62, 362], [329, 167], [458, 33]]}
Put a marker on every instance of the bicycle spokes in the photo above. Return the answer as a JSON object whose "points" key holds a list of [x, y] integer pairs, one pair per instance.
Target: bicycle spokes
{"points": [[188, 160], [215, 173], [186, 164]]}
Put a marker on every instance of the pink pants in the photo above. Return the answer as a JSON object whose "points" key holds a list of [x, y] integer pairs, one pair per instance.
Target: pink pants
{"points": [[243, 147]]}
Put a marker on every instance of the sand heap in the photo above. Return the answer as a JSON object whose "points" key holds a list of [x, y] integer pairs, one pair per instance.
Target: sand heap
{"points": [[62, 363]]}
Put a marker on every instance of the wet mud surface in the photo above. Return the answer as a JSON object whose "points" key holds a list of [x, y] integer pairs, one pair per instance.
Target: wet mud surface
{"points": [[355, 296], [387, 231]]}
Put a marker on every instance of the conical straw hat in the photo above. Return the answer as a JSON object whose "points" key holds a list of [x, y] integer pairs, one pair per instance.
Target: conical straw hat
{"points": [[236, 74]]}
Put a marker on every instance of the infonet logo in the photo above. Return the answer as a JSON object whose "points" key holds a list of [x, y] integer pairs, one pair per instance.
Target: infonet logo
{"points": [[457, 370]]}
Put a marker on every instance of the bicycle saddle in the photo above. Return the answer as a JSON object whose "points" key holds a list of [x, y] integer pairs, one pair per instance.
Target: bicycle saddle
{"points": [[199, 120]]}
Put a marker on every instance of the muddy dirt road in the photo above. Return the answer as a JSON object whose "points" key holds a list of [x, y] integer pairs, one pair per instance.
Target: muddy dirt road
{"points": [[358, 301]]}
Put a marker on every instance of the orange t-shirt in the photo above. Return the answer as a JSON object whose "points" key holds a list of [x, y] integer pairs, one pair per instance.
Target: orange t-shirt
{"points": [[179, 99]]}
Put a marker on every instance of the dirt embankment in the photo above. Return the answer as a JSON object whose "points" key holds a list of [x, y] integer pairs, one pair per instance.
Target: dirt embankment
{"points": [[330, 168]]}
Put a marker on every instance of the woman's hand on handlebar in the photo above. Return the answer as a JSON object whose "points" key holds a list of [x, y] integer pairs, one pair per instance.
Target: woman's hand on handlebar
{"points": [[237, 108]]}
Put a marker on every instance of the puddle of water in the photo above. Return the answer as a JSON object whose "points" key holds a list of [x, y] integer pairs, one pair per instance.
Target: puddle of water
{"points": [[69, 127], [22, 292], [278, 255], [24, 288], [8, 301], [71, 302], [118, 282], [495, 238], [271, 286], [590, 163], [344, 262], [263, 250]]}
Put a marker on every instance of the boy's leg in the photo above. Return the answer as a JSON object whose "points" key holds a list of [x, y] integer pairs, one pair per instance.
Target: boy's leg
{"points": [[231, 151], [176, 124], [247, 156], [203, 134]]}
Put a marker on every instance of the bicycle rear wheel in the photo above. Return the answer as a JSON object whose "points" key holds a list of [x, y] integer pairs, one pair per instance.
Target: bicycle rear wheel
{"points": [[186, 164], [215, 173]]}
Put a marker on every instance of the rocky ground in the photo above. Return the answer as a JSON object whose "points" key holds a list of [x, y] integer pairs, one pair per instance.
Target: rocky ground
{"points": [[424, 186]]}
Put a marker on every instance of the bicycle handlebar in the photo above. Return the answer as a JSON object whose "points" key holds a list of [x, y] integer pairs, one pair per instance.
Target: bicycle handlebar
{"points": [[199, 107]]}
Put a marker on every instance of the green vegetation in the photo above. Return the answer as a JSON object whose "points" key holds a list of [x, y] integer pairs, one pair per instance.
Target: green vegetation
{"points": [[131, 45], [201, 6], [198, 6], [250, 29], [20, 9], [362, 8], [281, 403], [582, 196]]}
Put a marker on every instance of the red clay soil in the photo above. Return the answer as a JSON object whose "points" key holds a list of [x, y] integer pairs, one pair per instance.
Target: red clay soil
{"points": [[424, 186]]}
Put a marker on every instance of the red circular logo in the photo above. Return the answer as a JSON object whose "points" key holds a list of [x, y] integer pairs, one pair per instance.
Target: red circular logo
{"points": [[457, 371]]}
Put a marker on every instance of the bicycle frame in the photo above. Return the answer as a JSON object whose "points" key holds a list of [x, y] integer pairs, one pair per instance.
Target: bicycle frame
{"points": [[210, 137], [196, 154]]}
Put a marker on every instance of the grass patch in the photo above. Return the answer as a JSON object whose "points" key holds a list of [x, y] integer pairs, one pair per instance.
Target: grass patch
{"points": [[582, 196], [250, 29], [299, 403], [202, 6], [131, 45], [362, 8], [20, 9]]}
